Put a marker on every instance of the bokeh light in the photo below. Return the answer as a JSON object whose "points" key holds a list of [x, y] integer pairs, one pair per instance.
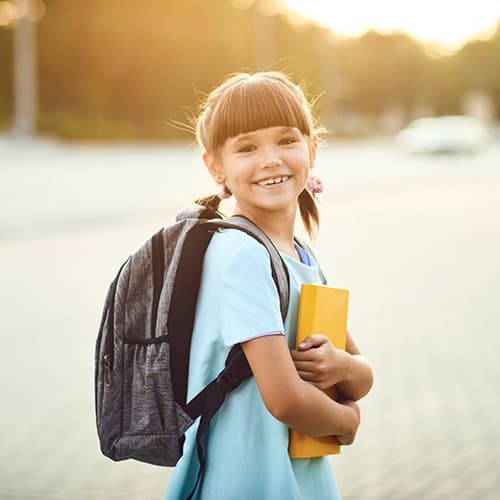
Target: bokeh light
{"points": [[12, 11], [6, 13], [37, 11]]}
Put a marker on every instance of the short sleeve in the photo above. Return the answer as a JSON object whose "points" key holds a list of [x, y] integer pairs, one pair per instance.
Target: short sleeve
{"points": [[250, 306]]}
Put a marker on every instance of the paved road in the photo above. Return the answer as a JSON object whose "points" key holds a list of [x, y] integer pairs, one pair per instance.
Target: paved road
{"points": [[417, 241]]}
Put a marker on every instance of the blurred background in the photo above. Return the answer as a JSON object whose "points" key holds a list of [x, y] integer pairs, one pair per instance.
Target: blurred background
{"points": [[96, 154], [120, 70]]}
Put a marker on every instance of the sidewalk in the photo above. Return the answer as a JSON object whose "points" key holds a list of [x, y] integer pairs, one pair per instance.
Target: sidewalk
{"points": [[420, 256]]}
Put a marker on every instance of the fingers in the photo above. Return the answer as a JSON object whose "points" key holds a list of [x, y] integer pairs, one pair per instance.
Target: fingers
{"points": [[312, 341], [303, 356], [318, 363], [315, 364], [349, 437], [312, 378], [307, 366], [317, 355], [315, 379], [320, 370], [346, 440], [307, 376]]}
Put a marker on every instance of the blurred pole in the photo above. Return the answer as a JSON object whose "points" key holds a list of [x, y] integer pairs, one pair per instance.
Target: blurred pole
{"points": [[263, 38], [25, 81]]}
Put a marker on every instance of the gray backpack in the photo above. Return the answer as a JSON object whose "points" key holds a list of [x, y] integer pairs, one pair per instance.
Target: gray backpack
{"points": [[142, 349]]}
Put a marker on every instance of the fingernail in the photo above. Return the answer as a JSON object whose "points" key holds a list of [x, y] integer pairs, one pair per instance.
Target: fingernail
{"points": [[302, 344]]}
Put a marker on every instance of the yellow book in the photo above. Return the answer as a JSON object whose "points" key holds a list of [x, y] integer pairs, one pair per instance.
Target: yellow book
{"points": [[322, 309]]}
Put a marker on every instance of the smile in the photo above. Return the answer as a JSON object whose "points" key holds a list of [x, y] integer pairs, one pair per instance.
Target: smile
{"points": [[271, 181]]}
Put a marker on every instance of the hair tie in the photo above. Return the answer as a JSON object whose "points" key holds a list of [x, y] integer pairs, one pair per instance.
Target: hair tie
{"points": [[224, 193], [315, 185]]}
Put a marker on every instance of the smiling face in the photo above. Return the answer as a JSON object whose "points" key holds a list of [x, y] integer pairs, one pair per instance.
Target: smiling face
{"points": [[266, 169]]}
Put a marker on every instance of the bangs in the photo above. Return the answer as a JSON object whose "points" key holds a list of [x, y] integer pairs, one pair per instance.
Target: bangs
{"points": [[256, 103]]}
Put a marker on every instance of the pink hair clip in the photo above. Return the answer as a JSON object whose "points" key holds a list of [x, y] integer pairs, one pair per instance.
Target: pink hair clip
{"points": [[314, 185]]}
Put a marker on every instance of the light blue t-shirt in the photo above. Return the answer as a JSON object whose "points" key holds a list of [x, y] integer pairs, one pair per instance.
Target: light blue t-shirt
{"points": [[247, 448]]}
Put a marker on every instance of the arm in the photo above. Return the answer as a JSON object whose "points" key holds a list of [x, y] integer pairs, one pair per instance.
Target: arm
{"points": [[318, 362], [293, 401], [249, 306]]}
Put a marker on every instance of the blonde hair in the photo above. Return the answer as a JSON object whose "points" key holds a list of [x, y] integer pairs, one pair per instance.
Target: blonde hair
{"points": [[245, 102]]}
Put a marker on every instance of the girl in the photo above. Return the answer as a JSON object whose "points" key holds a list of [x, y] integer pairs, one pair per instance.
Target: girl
{"points": [[260, 146]]}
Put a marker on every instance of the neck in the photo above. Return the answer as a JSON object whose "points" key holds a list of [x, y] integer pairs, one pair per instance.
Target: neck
{"points": [[278, 226]]}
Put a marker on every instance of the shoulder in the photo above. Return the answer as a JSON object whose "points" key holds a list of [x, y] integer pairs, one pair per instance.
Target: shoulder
{"points": [[249, 302], [232, 246]]}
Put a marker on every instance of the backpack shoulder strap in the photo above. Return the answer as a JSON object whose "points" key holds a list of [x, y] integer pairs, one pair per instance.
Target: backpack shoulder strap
{"points": [[182, 307]]}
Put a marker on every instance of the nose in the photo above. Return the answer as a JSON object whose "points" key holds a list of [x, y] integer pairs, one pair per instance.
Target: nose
{"points": [[274, 162]]}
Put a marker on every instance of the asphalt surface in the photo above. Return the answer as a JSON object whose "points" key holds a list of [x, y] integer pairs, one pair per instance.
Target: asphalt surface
{"points": [[416, 240]]}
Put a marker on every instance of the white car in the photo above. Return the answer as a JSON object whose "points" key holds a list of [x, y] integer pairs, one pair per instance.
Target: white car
{"points": [[445, 134]]}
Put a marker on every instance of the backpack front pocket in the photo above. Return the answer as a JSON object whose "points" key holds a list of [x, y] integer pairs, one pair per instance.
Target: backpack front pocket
{"points": [[147, 391]]}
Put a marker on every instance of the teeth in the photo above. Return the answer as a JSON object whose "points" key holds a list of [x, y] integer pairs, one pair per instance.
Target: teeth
{"points": [[276, 180]]}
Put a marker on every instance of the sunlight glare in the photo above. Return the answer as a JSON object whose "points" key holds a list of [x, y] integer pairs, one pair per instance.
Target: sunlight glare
{"points": [[447, 22]]}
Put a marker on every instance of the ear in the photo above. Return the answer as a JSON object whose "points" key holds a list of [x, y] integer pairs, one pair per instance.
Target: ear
{"points": [[214, 168], [313, 147]]}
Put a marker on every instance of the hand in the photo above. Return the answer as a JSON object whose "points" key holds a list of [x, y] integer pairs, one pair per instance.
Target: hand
{"points": [[348, 438], [317, 361]]}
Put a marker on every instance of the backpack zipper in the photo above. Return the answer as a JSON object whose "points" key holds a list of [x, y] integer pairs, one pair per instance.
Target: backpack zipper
{"points": [[109, 346], [108, 373]]}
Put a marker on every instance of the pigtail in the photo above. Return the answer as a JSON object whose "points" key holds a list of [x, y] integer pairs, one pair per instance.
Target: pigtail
{"points": [[309, 212], [213, 201]]}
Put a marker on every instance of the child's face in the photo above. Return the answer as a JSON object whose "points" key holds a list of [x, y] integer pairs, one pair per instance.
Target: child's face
{"points": [[266, 169]]}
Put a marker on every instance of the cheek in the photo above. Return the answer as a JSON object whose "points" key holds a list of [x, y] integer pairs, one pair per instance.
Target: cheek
{"points": [[304, 156], [237, 174], [241, 170], [304, 163]]}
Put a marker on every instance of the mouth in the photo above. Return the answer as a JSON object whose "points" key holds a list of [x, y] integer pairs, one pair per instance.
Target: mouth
{"points": [[273, 181]]}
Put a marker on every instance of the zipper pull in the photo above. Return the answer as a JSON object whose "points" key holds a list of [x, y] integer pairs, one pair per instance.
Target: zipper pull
{"points": [[108, 373]]}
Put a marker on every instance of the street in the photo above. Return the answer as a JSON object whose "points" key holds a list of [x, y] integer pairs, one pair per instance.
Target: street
{"points": [[416, 240]]}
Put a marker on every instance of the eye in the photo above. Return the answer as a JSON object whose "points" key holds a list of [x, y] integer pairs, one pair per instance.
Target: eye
{"points": [[287, 141], [247, 148]]}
